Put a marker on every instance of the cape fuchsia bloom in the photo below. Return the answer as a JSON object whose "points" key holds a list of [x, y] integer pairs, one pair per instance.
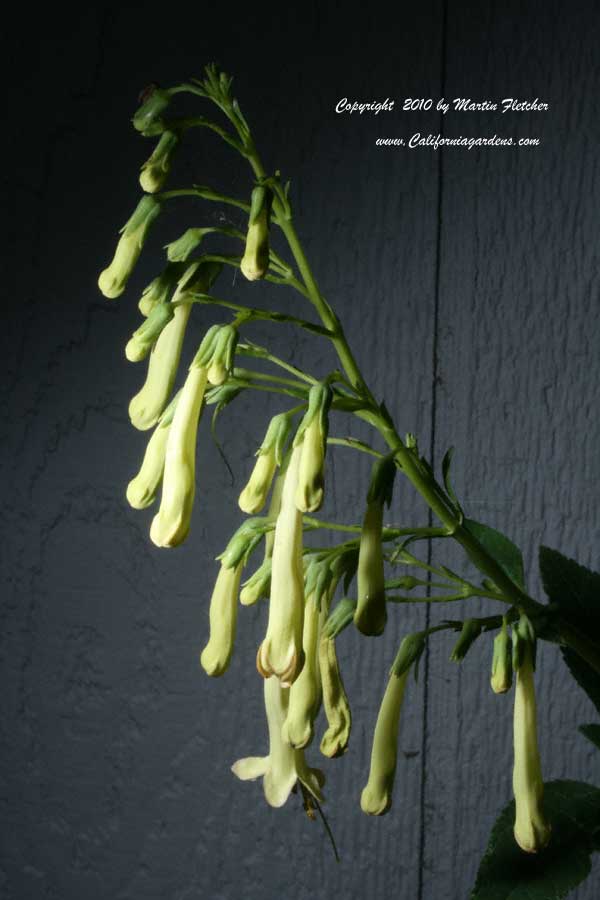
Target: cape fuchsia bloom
{"points": [[531, 830], [305, 693], [255, 261], [311, 437], [281, 652], [223, 617], [147, 405], [171, 524], [501, 679], [335, 701], [284, 766], [371, 614], [270, 455], [113, 280], [141, 490], [376, 798], [157, 167]]}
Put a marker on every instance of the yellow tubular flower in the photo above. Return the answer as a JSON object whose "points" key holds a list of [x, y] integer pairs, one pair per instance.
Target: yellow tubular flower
{"points": [[531, 830], [141, 490], [501, 679], [270, 454], [259, 584], [255, 260], [312, 438], [284, 766], [155, 170], [113, 280], [305, 693], [376, 798], [335, 702], [172, 522], [281, 653], [223, 617]]}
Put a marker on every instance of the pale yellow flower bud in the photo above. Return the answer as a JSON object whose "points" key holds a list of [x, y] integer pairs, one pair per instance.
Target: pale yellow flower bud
{"points": [[113, 280], [171, 524], [259, 584], [371, 615], [223, 617], [141, 490], [254, 495], [501, 679], [281, 653], [284, 766], [255, 260], [531, 830], [335, 701], [376, 797], [312, 438], [155, 170], [305, 693]]}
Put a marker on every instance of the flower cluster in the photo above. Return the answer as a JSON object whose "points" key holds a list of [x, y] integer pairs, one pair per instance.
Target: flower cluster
{"points": [[297, 657]]}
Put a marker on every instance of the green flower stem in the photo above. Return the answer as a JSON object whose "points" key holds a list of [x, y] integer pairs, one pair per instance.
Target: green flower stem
{"points": [[263, 376], [257, 352], [249, 312], [354, 445]]}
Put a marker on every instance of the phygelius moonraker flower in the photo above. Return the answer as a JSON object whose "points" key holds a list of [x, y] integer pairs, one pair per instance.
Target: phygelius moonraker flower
{"points": [[270, 455], [305, 693], [147, 405], [141, 490], [113, 280], [223, 617], [335, 702], [311, 437], [371, 614], [255, 261], [531, 829], [284, 766], [171, 524], [155, 170], [281, 652], [376, 797]]}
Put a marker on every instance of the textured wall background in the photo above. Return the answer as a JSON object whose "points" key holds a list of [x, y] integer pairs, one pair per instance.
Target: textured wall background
{"points": [[468, 283]]}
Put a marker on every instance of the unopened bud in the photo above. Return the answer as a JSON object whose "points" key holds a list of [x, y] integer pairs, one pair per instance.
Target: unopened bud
{"points": [[270, 455], [143, 340], [148, 117], [255, 260], [223, 617], [157, 167], [470, 632], [376, 797], [501, 679], [113, 280], [312, 438]]}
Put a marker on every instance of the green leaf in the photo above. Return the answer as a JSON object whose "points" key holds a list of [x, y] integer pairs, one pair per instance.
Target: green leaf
{"points": [[592, 733], [507, 873], [575, 591], [506, 554]]}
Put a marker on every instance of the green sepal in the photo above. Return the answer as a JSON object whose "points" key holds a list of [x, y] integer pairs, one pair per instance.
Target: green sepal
{"points": [[319, 400], [142, 217], [245, 540], [339, 618], [381, 485], [469, 633], [182, 248], [147, 118], [410, 652]]}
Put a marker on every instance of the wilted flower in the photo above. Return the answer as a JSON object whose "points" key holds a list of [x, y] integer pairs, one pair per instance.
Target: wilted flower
{"points": [[281, 653], [255, 260], [501, 679], [305, 693], [376, 797], [270, 455], [155, 170], [141, 490], [284, 766], [335, 702], [147, 118], [371, 614], [148, 404], [223, 617], [531, 830], [113, 280], [311, 437], [171, 524]]}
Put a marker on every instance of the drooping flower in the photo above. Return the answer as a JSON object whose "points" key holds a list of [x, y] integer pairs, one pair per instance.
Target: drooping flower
{"points": [[147, 405], [142, 490], [281, 652], [532, 829], [284, 766], [113, 280], [501, 679], [376, 798], [270, 455], [223, 617], [305, 693], [311, 437], [157, 167], [335, 701], [145, 337], [171, 524], [255, 260], [371, 614]]}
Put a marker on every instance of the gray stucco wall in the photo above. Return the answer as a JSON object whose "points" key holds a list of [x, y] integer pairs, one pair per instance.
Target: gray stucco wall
{"points": [[468, 285]]}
